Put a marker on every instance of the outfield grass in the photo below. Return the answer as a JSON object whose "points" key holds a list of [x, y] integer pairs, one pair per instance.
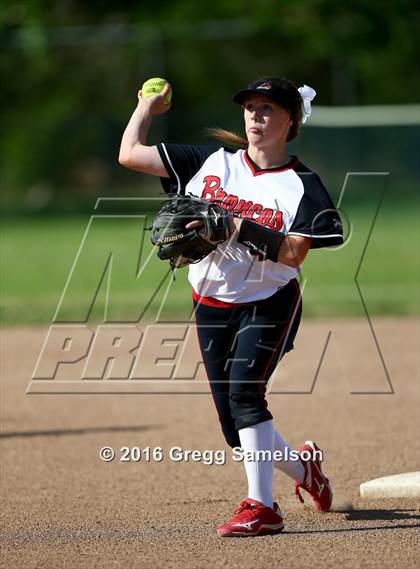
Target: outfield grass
{"points": [[38, 254]]}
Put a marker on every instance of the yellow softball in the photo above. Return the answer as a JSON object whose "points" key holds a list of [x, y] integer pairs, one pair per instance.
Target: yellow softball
{"points": [[153, 87]]}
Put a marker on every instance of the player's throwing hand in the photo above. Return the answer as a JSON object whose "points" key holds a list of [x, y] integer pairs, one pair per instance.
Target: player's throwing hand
{"points": [[157, 103]]}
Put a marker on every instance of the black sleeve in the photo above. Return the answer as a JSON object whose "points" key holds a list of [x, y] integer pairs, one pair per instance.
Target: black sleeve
{"points": [[316, 215], [182, 162]]}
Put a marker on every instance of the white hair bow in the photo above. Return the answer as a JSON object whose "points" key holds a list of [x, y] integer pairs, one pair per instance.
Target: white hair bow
{"points": [[307, 94]]}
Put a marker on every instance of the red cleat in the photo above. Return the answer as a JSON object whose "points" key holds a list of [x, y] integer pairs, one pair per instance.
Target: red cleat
{"points": [[315, 482], [253, 518]]}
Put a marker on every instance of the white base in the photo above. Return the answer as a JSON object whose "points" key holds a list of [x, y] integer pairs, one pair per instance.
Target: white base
{"points": [[398, 486]]}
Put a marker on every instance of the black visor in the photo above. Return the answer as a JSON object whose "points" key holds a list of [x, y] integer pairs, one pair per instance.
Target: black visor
{"points": [[274, 92]]}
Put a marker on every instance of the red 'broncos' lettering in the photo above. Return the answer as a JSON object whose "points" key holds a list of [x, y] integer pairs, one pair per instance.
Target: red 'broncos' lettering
{"points": [[264, 216], [256, 208], [230, 202], [212, 184]]}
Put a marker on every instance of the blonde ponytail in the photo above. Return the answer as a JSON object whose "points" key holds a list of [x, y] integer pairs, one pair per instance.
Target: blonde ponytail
{"points": [[227, 137]]}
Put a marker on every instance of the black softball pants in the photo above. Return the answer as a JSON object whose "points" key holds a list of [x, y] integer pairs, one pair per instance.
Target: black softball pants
{"points": [[241, 347]]}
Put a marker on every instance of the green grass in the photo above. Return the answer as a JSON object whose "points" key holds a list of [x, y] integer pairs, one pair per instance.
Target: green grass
{"points": [[38, 254]]}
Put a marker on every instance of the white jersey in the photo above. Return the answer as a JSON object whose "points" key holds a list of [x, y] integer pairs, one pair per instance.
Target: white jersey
{"points": [[291, 199]]}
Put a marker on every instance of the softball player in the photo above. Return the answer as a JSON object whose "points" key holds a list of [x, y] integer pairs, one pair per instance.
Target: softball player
{"points": [[245, 293]]}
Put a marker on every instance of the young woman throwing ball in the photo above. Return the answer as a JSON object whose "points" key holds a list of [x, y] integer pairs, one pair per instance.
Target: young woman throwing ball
{"points": [[246, 295]]}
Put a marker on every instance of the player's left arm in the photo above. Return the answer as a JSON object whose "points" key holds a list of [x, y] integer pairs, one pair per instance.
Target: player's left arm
{"points": [[290, 250], [293, 250]]}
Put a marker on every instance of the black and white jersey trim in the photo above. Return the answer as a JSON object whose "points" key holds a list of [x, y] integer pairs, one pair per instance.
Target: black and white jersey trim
{"points": [[182, 162], [316, 236], [169, 168]]}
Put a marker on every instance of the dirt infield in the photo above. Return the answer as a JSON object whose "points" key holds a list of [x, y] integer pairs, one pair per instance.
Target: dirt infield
{"points": [[63, 507]]}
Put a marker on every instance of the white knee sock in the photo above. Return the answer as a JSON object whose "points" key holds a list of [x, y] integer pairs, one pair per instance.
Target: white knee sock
{"points": [[293, 468], [259, 437]]}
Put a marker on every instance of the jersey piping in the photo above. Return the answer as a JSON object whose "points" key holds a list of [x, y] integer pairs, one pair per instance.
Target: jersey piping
{"points": [[315, 235], [169, 163], [259, 171]]}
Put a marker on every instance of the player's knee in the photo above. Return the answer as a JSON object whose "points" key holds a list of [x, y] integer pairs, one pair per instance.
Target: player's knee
{"points": [[248, 408]]}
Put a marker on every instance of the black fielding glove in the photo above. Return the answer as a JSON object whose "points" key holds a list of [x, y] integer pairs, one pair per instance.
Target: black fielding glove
{"points": [[183, 246]]}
